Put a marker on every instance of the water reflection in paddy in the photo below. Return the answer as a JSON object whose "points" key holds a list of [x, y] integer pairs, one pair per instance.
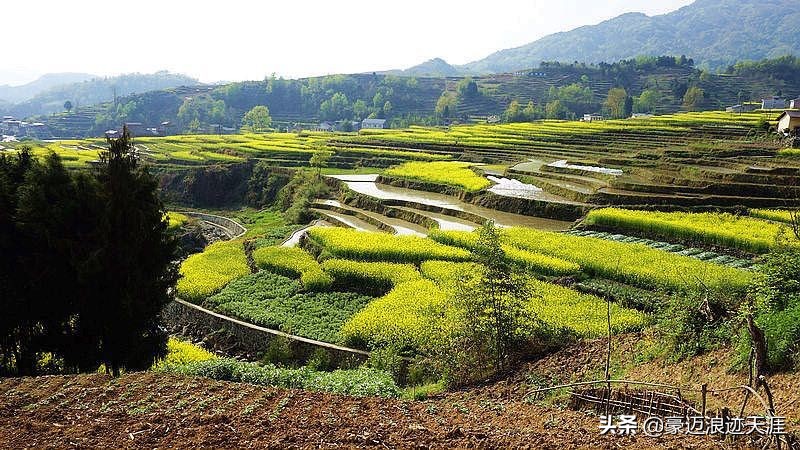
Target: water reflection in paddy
{"points": [[365, 184]]}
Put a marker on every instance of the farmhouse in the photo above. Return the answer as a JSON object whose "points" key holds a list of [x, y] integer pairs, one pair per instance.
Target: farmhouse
{"points": [[795, 104], [373, 123], [746, 107], [773, 103], [592, 117], [789, 122]]}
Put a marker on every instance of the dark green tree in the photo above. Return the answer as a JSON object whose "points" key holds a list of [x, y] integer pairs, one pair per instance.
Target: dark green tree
{"points": [[131, 272]]}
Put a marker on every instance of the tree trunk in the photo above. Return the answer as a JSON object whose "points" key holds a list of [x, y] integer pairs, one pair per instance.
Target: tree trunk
{"points": [[759, 347]]}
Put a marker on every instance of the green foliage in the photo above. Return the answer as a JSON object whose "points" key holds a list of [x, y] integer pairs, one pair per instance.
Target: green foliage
{"points": [[207, 273], [457, 174], [257, 120], [725, 230], [296, 197], [86, 263], [694, 323], [366, 246], [777, 308], [358, 382], [274, 301]]}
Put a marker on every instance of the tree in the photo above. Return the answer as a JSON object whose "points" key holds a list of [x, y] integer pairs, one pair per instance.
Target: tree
{"points": [[467, 88], [693, 98], [131, 274], [615, 102], [513, 112], [257, 119], [555, 110], [360, 109], [319, 160], [446, 105], [492, 323], [68, 106], [647, 101], [100, 303]]}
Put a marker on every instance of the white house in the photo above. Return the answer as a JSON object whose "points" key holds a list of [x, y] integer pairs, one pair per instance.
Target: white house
{"points": [[789, 122], [592, 117], [373, 123], [795, 104], [773, 103]]}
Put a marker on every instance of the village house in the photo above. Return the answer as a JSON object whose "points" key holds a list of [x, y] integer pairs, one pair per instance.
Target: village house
{"points": [[324, 126], [373, 123], [592, 117], [773, 103], [795, 104], [789, 122]]}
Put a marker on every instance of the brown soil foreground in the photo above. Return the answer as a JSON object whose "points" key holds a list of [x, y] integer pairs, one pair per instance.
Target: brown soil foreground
{"points": [[148, 410]]}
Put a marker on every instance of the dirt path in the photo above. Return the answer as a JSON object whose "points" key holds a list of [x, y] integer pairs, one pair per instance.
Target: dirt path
{"points": [[148, 410]]}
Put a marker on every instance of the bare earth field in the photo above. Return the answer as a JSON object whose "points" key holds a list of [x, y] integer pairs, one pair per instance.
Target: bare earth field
{"points": [[147, 410]]}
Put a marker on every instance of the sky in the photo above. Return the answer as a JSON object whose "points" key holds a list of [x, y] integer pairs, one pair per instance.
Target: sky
{"points": [[246, 40]]}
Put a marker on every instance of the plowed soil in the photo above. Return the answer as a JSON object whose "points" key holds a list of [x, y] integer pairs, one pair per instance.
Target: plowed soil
{"points": [[148, 410]]}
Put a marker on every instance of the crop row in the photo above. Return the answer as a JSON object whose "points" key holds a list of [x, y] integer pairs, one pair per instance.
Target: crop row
{"points": [[635, 264], [275, 301], [293, 261], [206, 273], [722, 229], [450, 173], [365, 246], [535, 262]]}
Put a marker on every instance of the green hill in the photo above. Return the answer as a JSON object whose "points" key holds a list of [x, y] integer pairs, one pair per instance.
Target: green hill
{"points": [[715, 33]]}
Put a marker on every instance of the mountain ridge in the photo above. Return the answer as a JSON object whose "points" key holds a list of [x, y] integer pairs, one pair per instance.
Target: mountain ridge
{"points": [[715, 33]]}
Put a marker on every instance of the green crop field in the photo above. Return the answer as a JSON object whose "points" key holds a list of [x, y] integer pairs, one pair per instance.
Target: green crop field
{"points": [[725, 230], [456, 174]]}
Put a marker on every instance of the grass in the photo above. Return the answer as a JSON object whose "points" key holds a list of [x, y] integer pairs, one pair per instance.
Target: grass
{"points": [[721, 229], [456, 174]]}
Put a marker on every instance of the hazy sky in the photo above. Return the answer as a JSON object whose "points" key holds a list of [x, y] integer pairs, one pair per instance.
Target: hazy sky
{"points": [[236, 39]]}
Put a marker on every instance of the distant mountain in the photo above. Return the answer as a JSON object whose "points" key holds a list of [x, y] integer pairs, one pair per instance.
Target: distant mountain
{"points": [[17, 94], [436, 67], [715, 33], [96, 90]]}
